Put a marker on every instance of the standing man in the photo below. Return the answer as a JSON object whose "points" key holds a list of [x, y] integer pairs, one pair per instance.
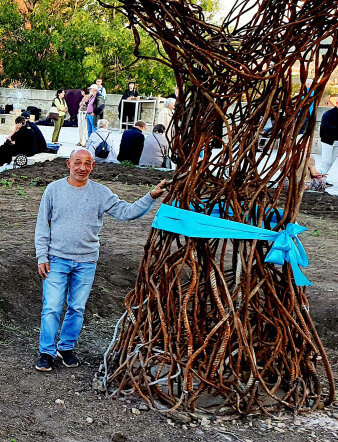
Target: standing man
{"points": [[329, 138], [132, 143], [101, 90], [67, 248], [94, 109]]}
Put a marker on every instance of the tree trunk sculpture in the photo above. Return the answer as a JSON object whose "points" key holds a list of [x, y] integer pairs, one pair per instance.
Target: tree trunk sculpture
{"points": [[208, 316]]}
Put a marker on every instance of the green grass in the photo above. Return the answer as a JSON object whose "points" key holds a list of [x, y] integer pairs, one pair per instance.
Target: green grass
{"points": [[127, 163], [6, 183]]}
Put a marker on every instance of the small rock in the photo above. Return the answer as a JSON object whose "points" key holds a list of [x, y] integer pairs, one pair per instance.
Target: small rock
{"points": [[335, 415], [331, 208], [268, 422], [143, 407], [170, 422], [77, 393], [60, 401], [193, 425], [297, 422], [181, 417], [89, 420], [280, 425], [280, 430], [205, 422], [136, 411], [248, 440], [97, 385], [118, 437], [250, 424], [184, 427], [73, 377]]}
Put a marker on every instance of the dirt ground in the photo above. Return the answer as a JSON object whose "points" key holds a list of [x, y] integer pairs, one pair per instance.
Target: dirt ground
{"points": [[62, 405]]}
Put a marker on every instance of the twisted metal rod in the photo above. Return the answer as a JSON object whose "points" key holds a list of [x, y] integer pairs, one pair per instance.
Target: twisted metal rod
{"points": [[209, 316]]}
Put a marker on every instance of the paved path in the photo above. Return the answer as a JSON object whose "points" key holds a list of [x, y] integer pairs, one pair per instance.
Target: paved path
{"points": [[69, 137]]}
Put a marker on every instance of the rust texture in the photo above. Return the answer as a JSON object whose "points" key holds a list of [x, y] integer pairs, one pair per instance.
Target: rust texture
{"points": [[208, 316]]}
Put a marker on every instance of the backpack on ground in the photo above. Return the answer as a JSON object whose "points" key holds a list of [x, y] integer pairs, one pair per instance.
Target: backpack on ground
{"points": [[102, 150]]}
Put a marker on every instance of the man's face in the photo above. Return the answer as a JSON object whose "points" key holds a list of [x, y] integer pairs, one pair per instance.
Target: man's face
{"points": [[98, 82], [80, 166]]}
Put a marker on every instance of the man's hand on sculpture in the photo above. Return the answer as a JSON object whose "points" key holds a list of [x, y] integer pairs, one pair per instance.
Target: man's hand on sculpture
{"points": [[44, 269], [159, 189]]}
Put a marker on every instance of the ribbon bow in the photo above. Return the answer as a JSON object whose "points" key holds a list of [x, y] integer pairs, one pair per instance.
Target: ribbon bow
{"points": [[285, 249]]}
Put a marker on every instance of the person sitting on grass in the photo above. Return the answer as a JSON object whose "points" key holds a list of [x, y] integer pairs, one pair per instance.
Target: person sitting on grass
{"points": [[95, 142], [155, 150], [132, 143], [314, 180]]}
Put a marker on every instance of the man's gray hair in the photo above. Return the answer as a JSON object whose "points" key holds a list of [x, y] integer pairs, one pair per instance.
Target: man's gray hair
{"points": [[169, 101], [77, 149], [102, 123]]}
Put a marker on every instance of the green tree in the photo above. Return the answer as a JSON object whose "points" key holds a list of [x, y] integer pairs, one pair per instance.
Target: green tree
{"points": [[69, 43]]}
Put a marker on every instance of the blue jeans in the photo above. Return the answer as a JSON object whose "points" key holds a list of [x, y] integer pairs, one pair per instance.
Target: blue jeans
{"points": [[74, 279], [91, 124]]}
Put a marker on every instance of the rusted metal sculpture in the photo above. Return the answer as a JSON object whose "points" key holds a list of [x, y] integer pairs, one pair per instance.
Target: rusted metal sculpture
{"points": [[209, 316]]}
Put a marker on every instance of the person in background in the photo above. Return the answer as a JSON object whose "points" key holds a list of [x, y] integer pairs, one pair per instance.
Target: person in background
{"points": [[101, 90], [132, 143], [329, 138], [61, 105], [174, 94], [94, 109], [96, 138], [166, 114], [130, 94], [67, 248], [82, 118], [313, 180], [40, 144], [22, 138], [155, 148]]}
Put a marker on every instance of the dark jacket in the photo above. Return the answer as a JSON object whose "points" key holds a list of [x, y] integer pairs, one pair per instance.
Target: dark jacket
{"points": [[131, 146], [98, 107], [128, 93], [329, 126], [40, 142]]}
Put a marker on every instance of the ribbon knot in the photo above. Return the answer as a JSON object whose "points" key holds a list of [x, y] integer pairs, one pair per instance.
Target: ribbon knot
{"points": [[287, 248]]}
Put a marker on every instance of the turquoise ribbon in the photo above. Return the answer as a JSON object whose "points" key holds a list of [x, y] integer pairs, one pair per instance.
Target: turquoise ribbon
{"points": [[286, 246]]}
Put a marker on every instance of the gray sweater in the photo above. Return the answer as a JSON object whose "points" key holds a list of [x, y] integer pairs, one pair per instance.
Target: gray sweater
{"points": [[70, 219]]}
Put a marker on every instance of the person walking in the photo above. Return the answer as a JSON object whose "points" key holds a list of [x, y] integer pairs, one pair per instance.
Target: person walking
{"points": [[94, 109], [67, 248], [132, 143], [329, 138], [82, 118], [62, 108]]}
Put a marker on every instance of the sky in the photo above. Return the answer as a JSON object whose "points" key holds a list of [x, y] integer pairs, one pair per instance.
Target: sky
{"points": [[226, 6]]}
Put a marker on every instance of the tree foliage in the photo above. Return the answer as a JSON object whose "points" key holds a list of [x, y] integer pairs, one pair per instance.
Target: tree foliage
{"points": [[69, 43]]}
